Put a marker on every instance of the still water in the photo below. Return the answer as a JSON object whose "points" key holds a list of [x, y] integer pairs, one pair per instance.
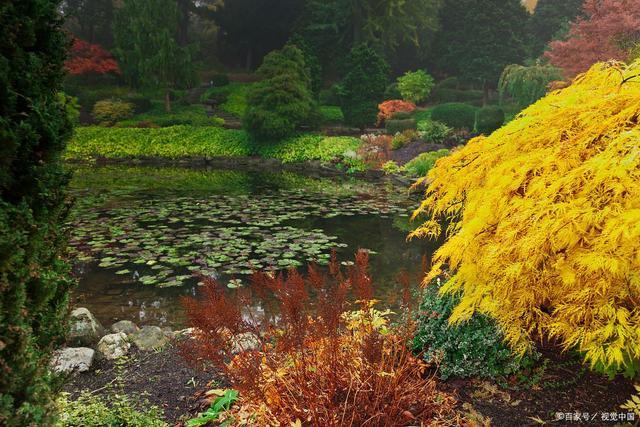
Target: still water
{"points": [[142, 237]]}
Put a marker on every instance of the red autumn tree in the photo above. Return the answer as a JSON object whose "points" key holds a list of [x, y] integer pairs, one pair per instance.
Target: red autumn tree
{"points": [[86, 58], [609, 30]]}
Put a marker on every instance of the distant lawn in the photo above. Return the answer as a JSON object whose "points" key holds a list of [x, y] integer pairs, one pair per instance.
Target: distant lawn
{"points": [[194, 115], [236, 97]]}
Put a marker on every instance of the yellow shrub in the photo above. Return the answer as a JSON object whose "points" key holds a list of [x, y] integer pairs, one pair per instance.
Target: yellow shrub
{"points": [[111, 111], [544, 219]]}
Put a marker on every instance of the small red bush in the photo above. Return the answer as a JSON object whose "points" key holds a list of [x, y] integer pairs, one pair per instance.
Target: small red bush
{"points": [[387, 109], [319, 361], [86, 58]]}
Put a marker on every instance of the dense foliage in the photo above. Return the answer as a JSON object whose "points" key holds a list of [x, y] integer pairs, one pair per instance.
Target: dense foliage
{"points": [[111, 111], [545, 211], [363, 86], [283, 101], [433, 131], [456, 115], [320, 363], [34, 285], [389, 109], [550, 20], [415, 86], [423, 163], [474, 348], [608, 31], [488, 119], [527, 84], [478, 39], [147, 48]]}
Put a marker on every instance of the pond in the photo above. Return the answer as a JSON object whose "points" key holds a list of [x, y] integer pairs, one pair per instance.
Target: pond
{"points": [[142, 237]]}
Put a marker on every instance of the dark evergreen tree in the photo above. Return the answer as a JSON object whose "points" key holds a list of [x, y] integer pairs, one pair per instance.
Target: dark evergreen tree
{"points": [[90, 20], [249, 29], [551, 18], [34, 285], [478, 38], [150, 56], [363, 87], [283, 100]]}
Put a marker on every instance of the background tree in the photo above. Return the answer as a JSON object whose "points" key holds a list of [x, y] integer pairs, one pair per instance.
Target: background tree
{"points": [[283, 100], [609, 30], [87, 59], [34, 286], [147, 48], [363, 86], [252, 28], [550, 18], [479, 38], [385, 24], [90, 20], [527, 84]]}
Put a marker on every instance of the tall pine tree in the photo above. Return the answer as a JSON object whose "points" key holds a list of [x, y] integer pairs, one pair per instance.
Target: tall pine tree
{"points": [[34, 285]]}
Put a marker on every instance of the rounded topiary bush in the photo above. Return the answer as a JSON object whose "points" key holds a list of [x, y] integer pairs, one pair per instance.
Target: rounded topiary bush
{"points": [[489, 119], [111, 111], [455, 114], [475, 348], [394, 126]]}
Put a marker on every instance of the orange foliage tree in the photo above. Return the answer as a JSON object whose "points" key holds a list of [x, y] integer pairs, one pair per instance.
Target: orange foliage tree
{"points": [[86, 58], [387, 109]]}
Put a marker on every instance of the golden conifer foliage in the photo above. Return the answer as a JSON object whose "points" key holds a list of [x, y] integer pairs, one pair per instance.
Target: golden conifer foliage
{"points": [[544, 219]]}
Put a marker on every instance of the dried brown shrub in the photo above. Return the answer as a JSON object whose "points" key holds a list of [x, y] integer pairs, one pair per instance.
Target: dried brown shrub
{"points": [[322, 360], [375, 150]]}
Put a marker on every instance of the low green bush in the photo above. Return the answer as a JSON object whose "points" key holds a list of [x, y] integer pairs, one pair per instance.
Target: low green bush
{"points": [[434, 132], [141, 103], [330, 96], [402, 115], [331, 114], [117, 410], [422, 164], [489, 119], [194, 115], [171, 142], [455, 115], [403, 138], [394, 126], [219, 80], [109, 112], [475, 348], [88, 96]]}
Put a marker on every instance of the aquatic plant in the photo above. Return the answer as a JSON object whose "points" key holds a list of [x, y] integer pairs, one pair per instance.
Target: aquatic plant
{"points": [[327, 363]]}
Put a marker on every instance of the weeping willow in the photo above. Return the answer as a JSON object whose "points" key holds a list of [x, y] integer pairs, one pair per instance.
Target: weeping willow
{"points": [[525, 84], [544, 220]]}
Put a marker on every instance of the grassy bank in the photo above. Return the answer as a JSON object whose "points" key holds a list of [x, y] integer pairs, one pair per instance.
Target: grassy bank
{"points": [[90, 143]]}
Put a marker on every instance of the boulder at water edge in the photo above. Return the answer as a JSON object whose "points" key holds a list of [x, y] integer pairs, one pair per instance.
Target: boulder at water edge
{"points": [[149, 338], [69, 360], [113, 346], [84, 328], [126, 326]]}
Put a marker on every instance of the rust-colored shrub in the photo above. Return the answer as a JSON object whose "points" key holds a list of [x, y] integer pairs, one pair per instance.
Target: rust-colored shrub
{"points": [[375, 150], [387, 109], [322, 360]]}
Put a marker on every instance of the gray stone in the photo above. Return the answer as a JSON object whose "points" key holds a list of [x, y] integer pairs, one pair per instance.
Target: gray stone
{"points": [[113, 346], [149, 338], [126, 326], [246, 341], [71, 359], [84, 328]]}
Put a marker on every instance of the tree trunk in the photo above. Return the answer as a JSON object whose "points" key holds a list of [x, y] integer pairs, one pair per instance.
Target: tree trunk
{"points": [[249, 58], [485, 93], [167, 101]]}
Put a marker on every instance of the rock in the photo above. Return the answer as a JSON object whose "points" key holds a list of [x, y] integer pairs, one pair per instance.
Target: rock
{"points": [[184, 333], [84, 328], [71, 359], [149, 338], [126, 326], [113, 346], [246, 341], [168, 332]]}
